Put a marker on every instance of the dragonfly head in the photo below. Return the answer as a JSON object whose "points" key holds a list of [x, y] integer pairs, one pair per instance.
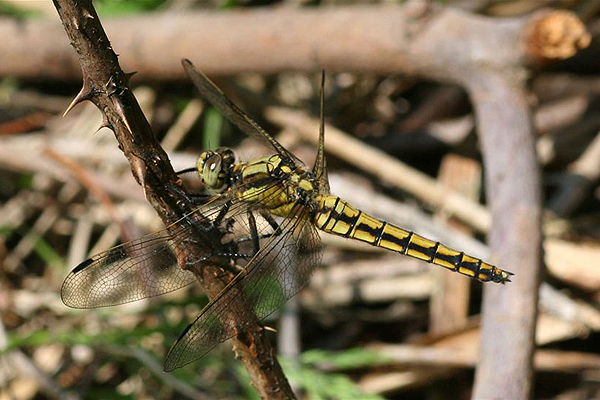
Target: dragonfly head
{"points": [[214, 167]]}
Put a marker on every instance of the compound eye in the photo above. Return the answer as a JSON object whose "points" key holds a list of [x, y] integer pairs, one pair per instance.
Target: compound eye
{"points": [[202, 161], [211, 170]]}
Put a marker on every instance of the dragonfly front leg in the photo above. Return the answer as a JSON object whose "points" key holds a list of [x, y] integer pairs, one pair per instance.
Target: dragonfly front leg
{"points": [[254, 236], [199, 199], [271, 221], [229, 250]]}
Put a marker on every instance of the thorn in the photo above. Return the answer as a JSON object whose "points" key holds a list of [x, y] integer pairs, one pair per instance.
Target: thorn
{"points": [[121, 113], [84, 94], [88, 14], [128, 76], [104, 124], [110, 87], [127, 124], [269, 329]]}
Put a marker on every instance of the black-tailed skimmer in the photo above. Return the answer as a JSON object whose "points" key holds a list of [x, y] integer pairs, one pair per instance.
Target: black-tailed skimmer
{"points": [[258, 223]]}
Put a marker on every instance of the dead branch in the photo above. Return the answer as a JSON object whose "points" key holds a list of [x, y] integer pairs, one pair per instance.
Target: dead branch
{"points": [[415, 38], [582, 174], [106, 85], [545, 360], [514, 193]]}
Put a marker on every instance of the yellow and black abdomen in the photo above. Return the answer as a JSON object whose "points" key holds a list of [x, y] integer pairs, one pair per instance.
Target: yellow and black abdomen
{"points": [[336, 216]]}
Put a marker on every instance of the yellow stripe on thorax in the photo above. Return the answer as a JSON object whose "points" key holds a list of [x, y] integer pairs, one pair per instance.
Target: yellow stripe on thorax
{"points": [[260, 168], [274, 198]]}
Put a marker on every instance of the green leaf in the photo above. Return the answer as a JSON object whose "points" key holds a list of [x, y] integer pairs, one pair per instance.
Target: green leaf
{"points": [[213, 123], [17, 12], [126, 7], [47, 253]]}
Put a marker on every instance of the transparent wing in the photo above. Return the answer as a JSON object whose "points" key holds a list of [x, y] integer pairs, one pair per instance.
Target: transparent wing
{"points": [[282, 266], [228, 109], [148, 266]]}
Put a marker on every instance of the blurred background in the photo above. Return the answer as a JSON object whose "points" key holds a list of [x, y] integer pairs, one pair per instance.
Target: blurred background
{"points": [[371, 324]]}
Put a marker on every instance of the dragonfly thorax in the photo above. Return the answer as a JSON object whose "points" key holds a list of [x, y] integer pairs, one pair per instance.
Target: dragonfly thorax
{"points": [[214, 169]]}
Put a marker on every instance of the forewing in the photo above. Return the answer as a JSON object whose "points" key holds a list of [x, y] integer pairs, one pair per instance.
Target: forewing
{"points": [[144, 267], [148, 266], [229, 110], [282, 266], [141, 268]]}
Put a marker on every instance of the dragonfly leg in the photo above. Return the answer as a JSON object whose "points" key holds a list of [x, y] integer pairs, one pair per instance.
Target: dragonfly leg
{"points": [[229, 266], [269, 218], [177, 189], [222, 213], [271, 221], [187, 170], [199, 199], [253, 232], [254, 237]]}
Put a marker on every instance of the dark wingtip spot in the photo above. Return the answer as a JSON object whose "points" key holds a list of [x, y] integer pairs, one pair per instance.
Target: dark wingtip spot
{"points": [[187, 328], [169, 365], [82, 265]]}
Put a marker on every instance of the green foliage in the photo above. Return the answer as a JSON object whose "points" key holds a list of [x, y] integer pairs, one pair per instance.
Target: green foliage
{"points": [[213, 124], [72, 337], [228, 4], [107, 393], [25, 181], [8, 85], [126, 7], [14, 11], [41, 247], [244, 380], [320, 385], [47, 253]]}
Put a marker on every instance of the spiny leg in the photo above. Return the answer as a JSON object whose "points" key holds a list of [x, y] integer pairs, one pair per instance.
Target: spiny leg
{"points": [[199, 199], [254, 237], [271, 221]]}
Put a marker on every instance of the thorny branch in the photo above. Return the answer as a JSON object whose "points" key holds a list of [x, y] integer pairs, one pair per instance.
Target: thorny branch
{"points": [[105, 84]]}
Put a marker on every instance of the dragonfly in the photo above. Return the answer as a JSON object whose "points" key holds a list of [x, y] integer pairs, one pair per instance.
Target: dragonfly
{"points": [[258, 222]]}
